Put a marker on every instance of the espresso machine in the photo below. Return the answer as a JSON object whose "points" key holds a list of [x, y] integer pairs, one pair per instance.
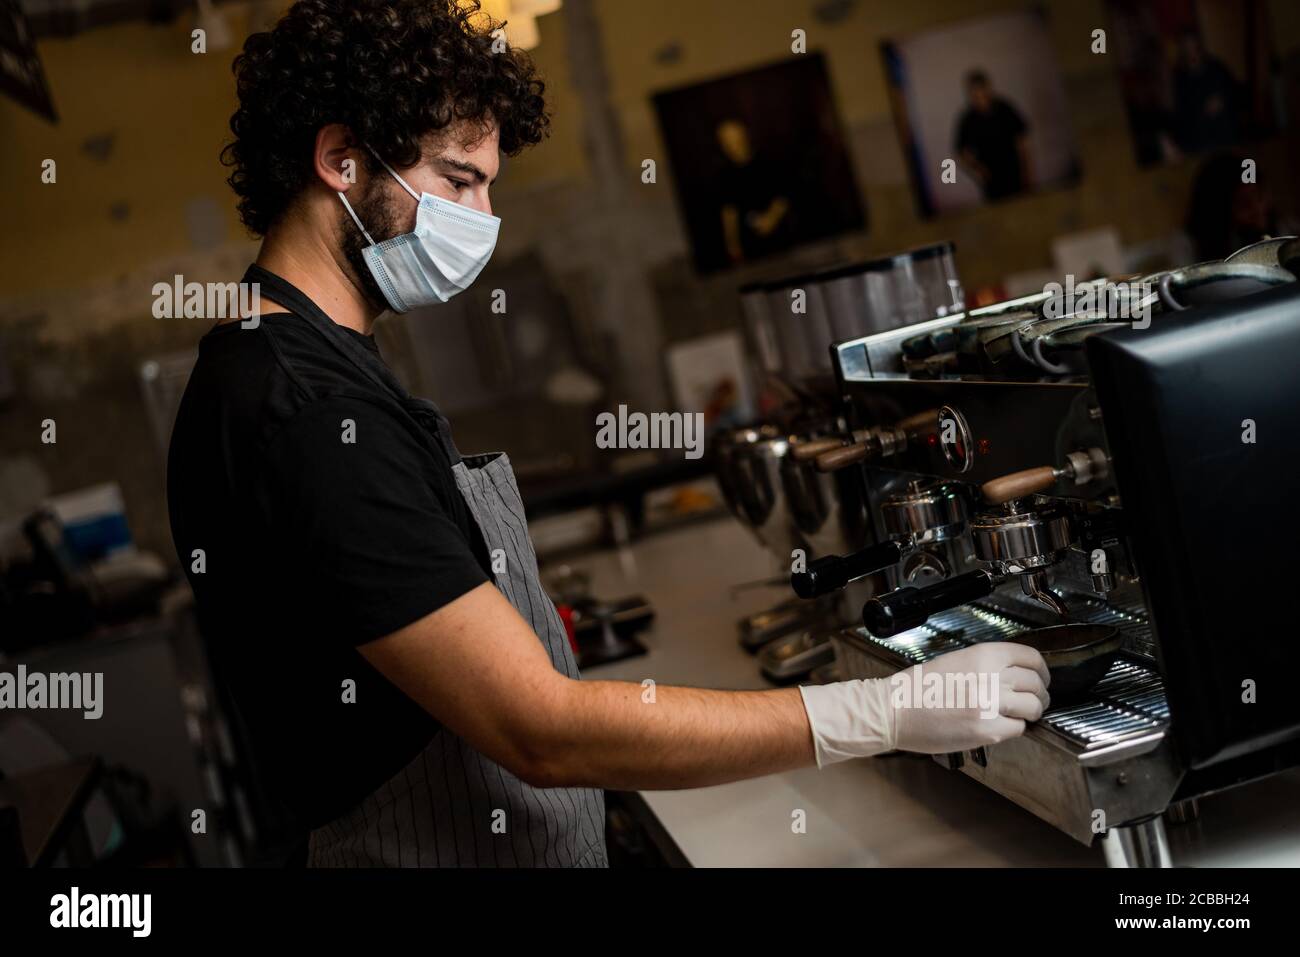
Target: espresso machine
{"points": [[768, 472], [1026, 465]]}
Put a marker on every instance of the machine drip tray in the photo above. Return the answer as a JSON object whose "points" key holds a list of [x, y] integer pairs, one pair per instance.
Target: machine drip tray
{"points": [[1104, 757], [1129, 700]]}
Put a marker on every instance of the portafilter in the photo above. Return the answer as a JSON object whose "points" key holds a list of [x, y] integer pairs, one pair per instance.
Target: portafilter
{"points": [[922, 515], [1008, 540]]}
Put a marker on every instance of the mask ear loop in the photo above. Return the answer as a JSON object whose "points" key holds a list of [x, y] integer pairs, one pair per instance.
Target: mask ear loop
{"points": [[348, 207], [391, 172]]}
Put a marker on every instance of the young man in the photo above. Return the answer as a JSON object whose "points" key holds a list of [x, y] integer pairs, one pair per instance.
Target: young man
{"points": [[372, 597], [993, 140]]}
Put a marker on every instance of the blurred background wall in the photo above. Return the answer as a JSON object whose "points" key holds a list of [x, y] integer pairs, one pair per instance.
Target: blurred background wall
{"points": [[140, 196]]}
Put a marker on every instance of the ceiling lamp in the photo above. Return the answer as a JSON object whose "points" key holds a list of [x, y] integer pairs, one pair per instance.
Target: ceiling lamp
{"points": [[520, 17]]}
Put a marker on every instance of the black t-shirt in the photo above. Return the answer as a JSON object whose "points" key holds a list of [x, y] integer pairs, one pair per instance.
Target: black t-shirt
{"points": [[1197, 126], [750, 190], [327, 516], [993, 139]]}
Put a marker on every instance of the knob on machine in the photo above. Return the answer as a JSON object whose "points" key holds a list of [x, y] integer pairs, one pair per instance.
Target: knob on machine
{"points": [[1083, 466], [870, 445]]}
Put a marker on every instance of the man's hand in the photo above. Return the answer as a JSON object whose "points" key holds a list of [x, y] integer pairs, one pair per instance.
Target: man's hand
{"points": [[965, 699], [1001, 685], [974, 166], [765, 223]]}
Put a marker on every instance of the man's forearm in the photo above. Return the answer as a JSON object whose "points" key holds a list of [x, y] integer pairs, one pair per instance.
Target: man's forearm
{"points": [[478, 668], [617, 734]]}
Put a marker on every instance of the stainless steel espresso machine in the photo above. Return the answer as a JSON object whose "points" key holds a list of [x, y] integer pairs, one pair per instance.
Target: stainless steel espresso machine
{"points": [[1041, 461], [768, 472]]}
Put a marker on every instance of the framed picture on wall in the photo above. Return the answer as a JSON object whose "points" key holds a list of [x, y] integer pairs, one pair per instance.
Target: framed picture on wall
{"points": [[1198, 75], [709, 374], [759, 162], [981, 111]]}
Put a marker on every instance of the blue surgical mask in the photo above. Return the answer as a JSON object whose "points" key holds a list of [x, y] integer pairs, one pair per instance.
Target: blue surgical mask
{"points": [[448, 249]]}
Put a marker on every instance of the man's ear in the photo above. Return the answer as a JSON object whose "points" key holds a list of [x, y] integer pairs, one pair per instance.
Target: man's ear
{"points": [[337, 158]]}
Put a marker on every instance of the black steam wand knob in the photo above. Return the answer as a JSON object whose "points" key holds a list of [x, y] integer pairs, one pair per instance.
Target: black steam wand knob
{"points": [[909, 606], [825, 575]]}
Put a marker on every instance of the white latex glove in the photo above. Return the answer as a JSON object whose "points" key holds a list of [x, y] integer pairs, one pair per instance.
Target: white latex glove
{"points": [[965, 699]]}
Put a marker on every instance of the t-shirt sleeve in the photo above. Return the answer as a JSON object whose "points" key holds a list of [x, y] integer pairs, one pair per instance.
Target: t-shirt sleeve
{"points": [[347, 491]]}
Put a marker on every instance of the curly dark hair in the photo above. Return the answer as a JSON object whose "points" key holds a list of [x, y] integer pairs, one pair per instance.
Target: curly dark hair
{"points": [[392, 71]]}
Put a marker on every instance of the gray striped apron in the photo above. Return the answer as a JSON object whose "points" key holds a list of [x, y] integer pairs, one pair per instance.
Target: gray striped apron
{"points": [[451, 806]]}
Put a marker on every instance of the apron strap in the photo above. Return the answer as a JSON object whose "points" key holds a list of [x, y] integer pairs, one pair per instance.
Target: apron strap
{"points": [[297, 302]]}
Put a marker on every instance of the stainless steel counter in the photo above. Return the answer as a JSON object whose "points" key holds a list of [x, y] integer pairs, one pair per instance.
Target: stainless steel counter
{"points": [[895, 811]]}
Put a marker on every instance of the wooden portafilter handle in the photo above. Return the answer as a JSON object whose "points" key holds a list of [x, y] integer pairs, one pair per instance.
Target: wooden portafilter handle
{"points": [[855, 452], [1019, 484], [930, 417], [847, 455], [811, 448]]}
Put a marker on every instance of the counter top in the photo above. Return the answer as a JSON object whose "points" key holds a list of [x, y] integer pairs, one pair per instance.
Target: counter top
{"points": [[893, 811]]}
